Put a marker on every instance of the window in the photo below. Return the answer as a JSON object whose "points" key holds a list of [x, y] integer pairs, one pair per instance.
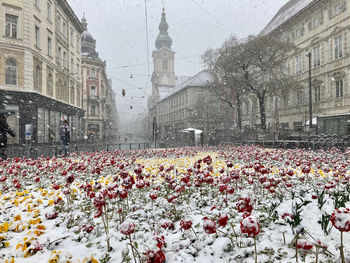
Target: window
{"points": [[337, 9], [65, 59], [93, 110], [37, 36], [49, 84], [165, 64], [49, 11], [300, 96], [11, 71], [285, 102], [49, 46], [339, 88], [72, 65], [338, 47], [315, 22], [72, 95], [72, 37], [59, 23], [78, 44], [298, 65], [59, 56], [317, 56], [64, 29], [37, 78], [11, 26], [36, 3], [93, 73], [93, 91], [317, 91], [298, 32]]}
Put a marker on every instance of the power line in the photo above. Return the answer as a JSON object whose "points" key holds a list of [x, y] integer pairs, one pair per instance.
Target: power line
{"points": [[147, 43], [216, 19], [126, 83], [143, 64]]}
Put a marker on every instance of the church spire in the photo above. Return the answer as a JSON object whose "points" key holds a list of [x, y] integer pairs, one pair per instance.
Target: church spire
{"points": [[84, 22], [163, 39]]}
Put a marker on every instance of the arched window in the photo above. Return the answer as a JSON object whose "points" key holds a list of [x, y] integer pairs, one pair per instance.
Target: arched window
{"points": [[72, 95], [37, 78], [59, 90], [11, 71], [49, 84], [59, 56], [65, 96]]}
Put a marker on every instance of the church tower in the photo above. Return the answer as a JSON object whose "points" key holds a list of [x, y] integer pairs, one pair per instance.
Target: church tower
{"points": [[163, 57]]}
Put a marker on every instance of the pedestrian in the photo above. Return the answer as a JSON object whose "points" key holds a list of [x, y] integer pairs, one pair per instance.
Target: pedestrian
{"points": [[65, 136], [51, 135], [4, 129]]}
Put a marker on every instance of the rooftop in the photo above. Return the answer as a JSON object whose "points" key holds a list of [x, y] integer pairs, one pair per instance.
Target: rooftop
{"points": [[201, 79], [288, 11]]}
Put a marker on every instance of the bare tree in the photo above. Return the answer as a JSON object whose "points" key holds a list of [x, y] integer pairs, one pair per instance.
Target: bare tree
{"points": [[254, 65], [261, 67]]}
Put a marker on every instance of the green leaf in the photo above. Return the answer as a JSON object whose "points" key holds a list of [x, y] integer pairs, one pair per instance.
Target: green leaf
{"points": [[136, 245]]}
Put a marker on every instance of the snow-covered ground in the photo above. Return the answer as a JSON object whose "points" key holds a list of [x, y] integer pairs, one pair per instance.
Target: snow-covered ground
{"points": [[177, 205]]}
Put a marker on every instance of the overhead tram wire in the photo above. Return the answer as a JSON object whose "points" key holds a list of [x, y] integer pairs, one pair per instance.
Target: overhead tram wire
{"points": [[147, 42], [143, 64], [147, 45], [208, 13]]}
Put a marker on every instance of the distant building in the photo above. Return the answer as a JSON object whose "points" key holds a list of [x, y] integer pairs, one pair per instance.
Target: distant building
{"points": [[39, 67], [178, 103], [98, 97], [322, 28]]}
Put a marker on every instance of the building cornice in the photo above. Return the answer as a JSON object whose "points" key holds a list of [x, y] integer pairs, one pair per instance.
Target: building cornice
{"points": [[63, 4]]}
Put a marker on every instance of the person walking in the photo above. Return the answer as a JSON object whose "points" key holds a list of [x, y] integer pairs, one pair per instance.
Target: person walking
{"points": [[4, 130], [65, 136]]}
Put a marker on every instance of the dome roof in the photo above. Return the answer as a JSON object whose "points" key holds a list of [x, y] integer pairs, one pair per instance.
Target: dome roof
{"points": [[87, 37], [88, 43]]}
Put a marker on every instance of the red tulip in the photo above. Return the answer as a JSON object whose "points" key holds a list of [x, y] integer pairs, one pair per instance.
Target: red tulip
{"points": [[51, 215], [185, 224], [156, 256], [304, 244], [341, 219], [209, 226], [127, 228], [250, 226], [223, 218], [153, 196]]}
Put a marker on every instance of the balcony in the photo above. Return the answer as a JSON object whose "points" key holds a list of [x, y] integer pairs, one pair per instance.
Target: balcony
{"points": [[94, 98]]}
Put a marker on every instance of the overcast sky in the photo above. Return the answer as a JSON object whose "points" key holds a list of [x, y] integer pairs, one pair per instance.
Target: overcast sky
{"points": [[120, 31]]}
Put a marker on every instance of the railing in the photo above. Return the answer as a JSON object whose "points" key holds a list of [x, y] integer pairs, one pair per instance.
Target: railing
{"points": [[55, 149]]}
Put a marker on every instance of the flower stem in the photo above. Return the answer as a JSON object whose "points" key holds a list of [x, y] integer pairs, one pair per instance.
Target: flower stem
{"points": [[255, 251], [296, 248], [132, 249], [341, 249], [317, 251], [194, 231]]}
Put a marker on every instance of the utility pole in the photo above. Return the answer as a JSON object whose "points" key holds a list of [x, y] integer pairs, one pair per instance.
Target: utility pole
{"points": [[310, 91]]}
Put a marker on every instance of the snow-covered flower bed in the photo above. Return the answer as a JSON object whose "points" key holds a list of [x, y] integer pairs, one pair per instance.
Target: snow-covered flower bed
{"points": [[233, 204]]}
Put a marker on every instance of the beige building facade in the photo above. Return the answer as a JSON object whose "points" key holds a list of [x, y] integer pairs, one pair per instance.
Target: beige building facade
{"points": [[100, 119], [321, 28], [40, 65]]}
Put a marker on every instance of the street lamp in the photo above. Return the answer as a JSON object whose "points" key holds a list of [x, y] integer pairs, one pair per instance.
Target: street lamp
{"points": [[310, 91]]}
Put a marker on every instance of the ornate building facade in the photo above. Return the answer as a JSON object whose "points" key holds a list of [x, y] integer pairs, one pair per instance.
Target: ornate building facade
{"points": [[320, 28], [39, 67], [100, 117]]}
